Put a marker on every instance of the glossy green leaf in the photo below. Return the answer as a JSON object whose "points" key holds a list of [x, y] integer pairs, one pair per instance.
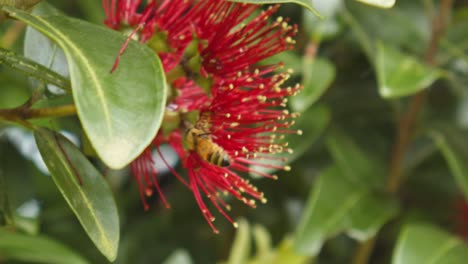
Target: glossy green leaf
{"points": [[379, 3], [338, 205], [355, 164], [312, 123], [92, 10], [305, 3], [264, 253], [327, 28], [399, 74], [452, 143], [285, 253], [179, 256], [240, 250], [262, 242], [120, 112], [42, 50], [289, 58], [37, 249], [92, 201], [21, 4], [6, 216], [420, 243], [318, 74]]}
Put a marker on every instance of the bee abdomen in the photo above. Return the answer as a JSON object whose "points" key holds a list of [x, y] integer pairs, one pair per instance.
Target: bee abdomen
{"points": [[219, 158]]}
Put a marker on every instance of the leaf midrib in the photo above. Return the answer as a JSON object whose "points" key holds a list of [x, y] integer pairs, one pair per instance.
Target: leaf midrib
{"points": [[98, 86], [98, 225]]}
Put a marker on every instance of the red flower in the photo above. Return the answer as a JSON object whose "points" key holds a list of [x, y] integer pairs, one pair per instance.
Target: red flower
{"points": [[462, 217], [210, 53]]}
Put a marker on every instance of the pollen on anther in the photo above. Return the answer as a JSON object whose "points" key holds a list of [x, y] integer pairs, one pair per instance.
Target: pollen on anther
{"points": [[149, 192], [287, 168], [299, 132], [235, 224]]}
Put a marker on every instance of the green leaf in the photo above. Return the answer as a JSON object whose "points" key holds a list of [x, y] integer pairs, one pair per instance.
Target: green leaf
{"points": [[305, 3], [326, 28], [355, 164], [399, 74], [240, 250], [92, 10], [312, 124], [179, 256], [317, 78], [6, 216], [452, 143], [338, 205], [428, 244], [42, 50], [21, 4], [285, 253], [92, 201], [264, 250], [290, 59], [37, 249], [120, 112], [379, 3]]}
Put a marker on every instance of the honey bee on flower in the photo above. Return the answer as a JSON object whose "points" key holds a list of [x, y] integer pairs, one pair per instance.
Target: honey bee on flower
{"points": [[240, 105]]}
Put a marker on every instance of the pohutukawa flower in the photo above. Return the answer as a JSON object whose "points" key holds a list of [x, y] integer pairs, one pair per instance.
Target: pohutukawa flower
{"points": [[461, 219], [225, 112]]}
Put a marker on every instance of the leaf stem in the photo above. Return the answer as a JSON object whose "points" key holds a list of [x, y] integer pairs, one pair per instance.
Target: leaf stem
{"points": [[20, 114], [33, 69], [408, 122]]}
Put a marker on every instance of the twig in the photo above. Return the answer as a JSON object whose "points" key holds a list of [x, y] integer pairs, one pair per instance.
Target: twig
{"points": [[33, 69]]}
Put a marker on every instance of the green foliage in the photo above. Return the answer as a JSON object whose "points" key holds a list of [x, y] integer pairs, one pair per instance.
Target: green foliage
{"points": [[337, 204], [451, 143], [316, 79], [401, 75], [422, 243], [264, 252], [383, 115], [305, 3], [380, 3], [84, 189], [36, 249], [101, 96]]}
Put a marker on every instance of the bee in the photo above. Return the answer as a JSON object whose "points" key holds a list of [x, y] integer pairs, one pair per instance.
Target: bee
{"points": [[198, 139]]}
